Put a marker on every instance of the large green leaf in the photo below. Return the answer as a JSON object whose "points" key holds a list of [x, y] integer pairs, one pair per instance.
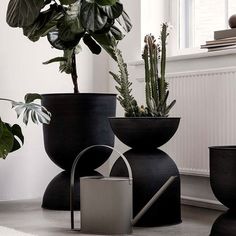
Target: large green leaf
{"points": [[114, 11], [124, 22], [22, 13], [18, 136], [67, 2], [106, 2], [92, 17], [55, 40], [6, 140], [92, 45], [117, 33], [30, 97], [69, 26], [45, 22], [107, 42]]}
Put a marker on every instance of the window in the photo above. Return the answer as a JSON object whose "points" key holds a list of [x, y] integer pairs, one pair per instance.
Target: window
{"points": [[194, 21], [198, 19]]}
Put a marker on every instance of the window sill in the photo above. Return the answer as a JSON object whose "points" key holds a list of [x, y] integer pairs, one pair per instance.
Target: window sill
{"points": [[204, 54]]}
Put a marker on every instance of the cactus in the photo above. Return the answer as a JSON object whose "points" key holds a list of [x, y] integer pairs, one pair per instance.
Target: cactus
{"points": [[156, 92], [155, 84], [125, 98]]}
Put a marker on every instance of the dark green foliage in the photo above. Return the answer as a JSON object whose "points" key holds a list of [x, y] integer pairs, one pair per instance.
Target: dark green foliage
{"points": [[100, 23], [155, 85], [8, 138]]}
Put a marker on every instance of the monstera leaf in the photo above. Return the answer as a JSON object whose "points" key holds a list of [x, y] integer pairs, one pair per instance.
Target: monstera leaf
{"points": [[22, 13], [38, 113]]}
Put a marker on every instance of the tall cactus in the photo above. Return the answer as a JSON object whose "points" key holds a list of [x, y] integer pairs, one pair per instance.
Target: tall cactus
{"points": [[155, 84]]}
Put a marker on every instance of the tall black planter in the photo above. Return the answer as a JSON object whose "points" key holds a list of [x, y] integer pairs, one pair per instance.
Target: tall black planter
{"points": [[151, 167], [223, 184], [78, 121]]}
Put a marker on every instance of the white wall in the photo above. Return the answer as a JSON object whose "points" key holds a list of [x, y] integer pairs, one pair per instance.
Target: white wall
{"points": [[26, 173]]}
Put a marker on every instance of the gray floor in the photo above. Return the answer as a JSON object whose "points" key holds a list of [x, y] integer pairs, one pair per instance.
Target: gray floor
{"points": [[27, 216]]}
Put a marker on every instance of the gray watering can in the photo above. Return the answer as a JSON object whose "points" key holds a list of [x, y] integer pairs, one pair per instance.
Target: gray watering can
{"points": [[106, 202]]}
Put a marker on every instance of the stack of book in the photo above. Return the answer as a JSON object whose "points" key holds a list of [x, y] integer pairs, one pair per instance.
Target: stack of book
{"points": [[223, 40]]}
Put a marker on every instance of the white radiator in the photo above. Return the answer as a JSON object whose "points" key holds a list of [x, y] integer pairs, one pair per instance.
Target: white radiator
{"points": [[206, 103]]}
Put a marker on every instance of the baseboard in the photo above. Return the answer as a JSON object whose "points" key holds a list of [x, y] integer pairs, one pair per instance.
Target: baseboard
{"points": [[204, 203]]}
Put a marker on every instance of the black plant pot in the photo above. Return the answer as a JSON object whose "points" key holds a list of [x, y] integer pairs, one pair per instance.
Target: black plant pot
{"points": [[150, 166], [78, 121], [223, 174], [224, 225], [223, 184], [144, 132]]}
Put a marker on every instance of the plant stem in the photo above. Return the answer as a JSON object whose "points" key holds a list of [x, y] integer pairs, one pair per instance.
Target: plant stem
{"points": [[74, 75], [5, 99]]}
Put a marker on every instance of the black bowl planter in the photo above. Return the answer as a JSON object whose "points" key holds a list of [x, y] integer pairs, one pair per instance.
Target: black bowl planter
{"points": [[223, 184], [78, 121], [151, 167]]}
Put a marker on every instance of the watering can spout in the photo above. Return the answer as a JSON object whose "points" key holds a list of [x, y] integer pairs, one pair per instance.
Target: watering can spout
{"points": [[153, 200]]}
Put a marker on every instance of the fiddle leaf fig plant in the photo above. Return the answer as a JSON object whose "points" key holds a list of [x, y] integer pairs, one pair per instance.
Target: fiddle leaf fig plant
{"points": [[99, 23], [11, 137]]}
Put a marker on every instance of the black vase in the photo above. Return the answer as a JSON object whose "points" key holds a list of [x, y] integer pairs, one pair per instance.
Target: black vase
{"points": [[223, 174], [78, 121], [150, 166], [223, 184], [224, 225]]}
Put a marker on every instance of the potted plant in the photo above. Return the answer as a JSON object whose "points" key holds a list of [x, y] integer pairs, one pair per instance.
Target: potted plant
{"points": [[146, 127], [11, 136], [80, 119]]}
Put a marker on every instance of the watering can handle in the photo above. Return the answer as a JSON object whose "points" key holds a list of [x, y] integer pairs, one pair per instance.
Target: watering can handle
{"points": [[72, 177]]}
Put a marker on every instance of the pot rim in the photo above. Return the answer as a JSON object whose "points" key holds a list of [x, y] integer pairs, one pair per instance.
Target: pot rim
{"points": [[78, 94], [226, 147], [142, 118]]}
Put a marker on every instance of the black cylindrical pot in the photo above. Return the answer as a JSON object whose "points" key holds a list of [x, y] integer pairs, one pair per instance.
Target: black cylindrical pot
{"points": [[78, 121], [223, 174], [144, 132]]}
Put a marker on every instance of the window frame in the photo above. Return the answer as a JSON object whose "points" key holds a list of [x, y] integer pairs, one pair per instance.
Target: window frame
{"points": [[175, 36]]}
